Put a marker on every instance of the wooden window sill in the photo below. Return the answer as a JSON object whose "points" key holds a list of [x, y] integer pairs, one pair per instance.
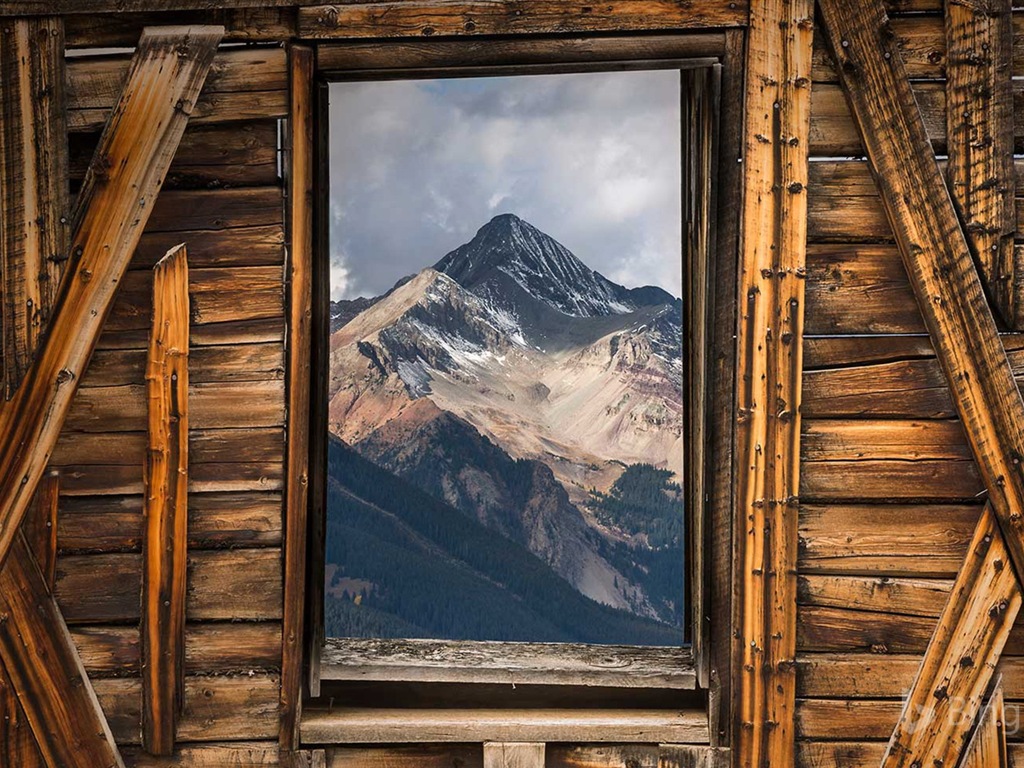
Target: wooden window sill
{"points": [[441, 661], [325, 726]]}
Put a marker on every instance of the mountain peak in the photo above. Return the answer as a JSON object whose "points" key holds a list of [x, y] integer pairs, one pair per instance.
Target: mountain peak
{"points": [[509, 247]]}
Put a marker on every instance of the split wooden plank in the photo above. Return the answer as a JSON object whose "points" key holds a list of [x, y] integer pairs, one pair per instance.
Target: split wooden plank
{"points": [[166, 480], [963, 332], [168, 71], [987, 748], [46, 671], [40, 526], [513, 754], [300, 318], [34, 203], [430, 18], [979, 130], [771, 312], [249, 25]]}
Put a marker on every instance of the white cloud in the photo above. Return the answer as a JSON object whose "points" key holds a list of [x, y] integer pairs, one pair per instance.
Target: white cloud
{"points": [[593, 159]]}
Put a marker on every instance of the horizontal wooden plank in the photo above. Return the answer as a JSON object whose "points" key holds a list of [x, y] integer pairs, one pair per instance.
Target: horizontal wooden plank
{"points": [[374, 726], [859, 289], [249, 754], [243, 155], [183, 210], [253, 246], [216, 520], [886, 459], [841, 440], [912, 597], [211, 334], [834, 134], [922, 43], [442, 54], [858, 719], [229, 294], [435, 661], [215, 708], [430, 18], [220, 405], [887, 539], [890, 480], [408, 756], [826, 628], [233, 362], [244, 84], [223, 585], [860, 754], [879, 676], [206, 446], [821, 352], [249, 25], [843, 203], [230, 648]]}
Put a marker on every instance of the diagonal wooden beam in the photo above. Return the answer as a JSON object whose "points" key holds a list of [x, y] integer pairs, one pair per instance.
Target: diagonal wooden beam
{"points": [[949, 292], [167, 72], [770, 342], [46, 671], [979, 130], [165, 547], [34, 200], [987, 748]]}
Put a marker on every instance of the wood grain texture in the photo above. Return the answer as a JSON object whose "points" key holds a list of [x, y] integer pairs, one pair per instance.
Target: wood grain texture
{"points": [[463, 661], [17, 744], [393, 726], [165, 481], [987, 747], [122, 29], [979, 130], [40, 525], [299, 384], [255, 754], [244, 84], [768, 378], [513, 754], [223, 585], [963, 332], [521, 52], [135, 152], [34, 206], [424, 18], [46, 671]]}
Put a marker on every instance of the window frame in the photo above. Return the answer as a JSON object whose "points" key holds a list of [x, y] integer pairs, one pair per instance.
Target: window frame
{"points": [[702, 666]]}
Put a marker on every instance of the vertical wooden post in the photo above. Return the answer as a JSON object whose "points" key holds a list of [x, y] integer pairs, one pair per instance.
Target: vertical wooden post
{"points": [[770, 362], [34, 198], [300, 319], [979, 130], [165, 546], [500, 754]]}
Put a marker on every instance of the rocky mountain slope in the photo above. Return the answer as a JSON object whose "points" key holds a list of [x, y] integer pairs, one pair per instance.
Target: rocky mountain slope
{"points": [[513, 382]]}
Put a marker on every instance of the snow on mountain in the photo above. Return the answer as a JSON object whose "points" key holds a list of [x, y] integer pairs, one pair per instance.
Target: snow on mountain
{"points": [[544, 357], [544, 268]]}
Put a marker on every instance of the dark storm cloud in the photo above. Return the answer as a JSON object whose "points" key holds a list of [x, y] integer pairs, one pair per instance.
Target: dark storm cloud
{"points": [[417, 167]]}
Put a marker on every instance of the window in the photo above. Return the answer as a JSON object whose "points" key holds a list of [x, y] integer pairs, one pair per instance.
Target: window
{"points": [[510, 430]]}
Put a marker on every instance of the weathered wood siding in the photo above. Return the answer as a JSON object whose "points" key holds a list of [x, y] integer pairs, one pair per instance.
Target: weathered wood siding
{"points": [[224, 199], [889, 491]]}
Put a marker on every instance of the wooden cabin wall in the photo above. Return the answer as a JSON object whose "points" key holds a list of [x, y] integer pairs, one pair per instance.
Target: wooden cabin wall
{"points": [[223, 197], [889, 491]]}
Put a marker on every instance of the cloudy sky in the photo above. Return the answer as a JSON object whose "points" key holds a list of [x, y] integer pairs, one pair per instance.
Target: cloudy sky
{"points": [[417, 167]]}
